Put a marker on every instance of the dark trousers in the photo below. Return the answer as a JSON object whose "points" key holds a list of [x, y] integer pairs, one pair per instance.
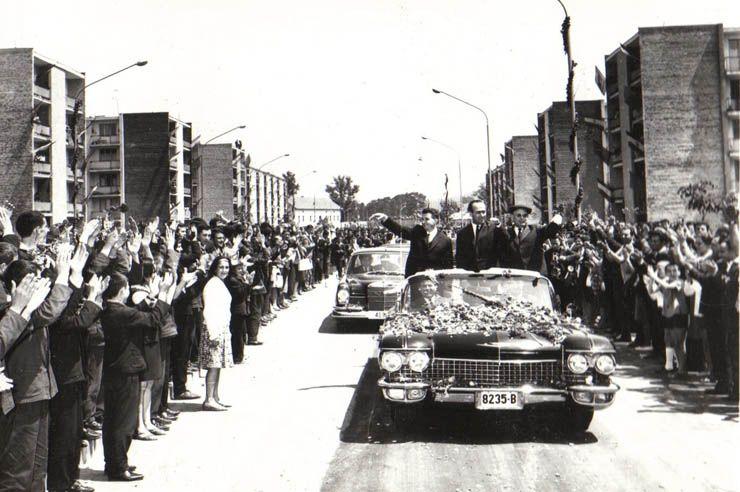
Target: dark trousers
{"points": [[716, 339], [181, 347], [160, 393], [65, 435], [238, 328], [94, 379], [24, 439], [730, 321], [121, 414], [253, 320], [656, 329]]}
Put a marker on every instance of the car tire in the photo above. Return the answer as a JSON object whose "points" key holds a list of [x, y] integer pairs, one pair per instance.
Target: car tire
{"points": [[576, 418]]}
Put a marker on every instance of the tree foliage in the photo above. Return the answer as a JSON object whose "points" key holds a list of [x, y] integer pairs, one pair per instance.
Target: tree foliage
{"points": [[342, 191], [704, 198], [402, 205]]}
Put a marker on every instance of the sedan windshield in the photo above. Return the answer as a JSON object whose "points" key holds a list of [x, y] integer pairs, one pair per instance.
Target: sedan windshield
{"points": [[428, 292], [378, 263]]}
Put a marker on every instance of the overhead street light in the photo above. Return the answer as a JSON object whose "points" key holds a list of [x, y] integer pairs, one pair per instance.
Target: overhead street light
{"points": [[240, 127], [488, 140], [272, 160], [459, 166]]}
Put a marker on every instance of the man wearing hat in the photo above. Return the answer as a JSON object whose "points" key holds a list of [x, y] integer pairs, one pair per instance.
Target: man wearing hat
{"points": [[520, 245], [474, 248]]}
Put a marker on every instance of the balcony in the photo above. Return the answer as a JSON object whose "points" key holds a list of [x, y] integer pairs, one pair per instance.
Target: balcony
{"points": [[96, 166], [42, 206], [104, 140], [734, 145], [41, 131], [732, 65], [70, 176], [733, 108], [42, 168], [186, 192], [42, 93], [71, 105], [71, 208], [107, 190], [186, 168], [173, 139]]}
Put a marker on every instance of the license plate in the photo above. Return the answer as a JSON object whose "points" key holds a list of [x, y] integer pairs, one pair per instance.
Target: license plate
{"points": [[499, 400], [376, 314]]}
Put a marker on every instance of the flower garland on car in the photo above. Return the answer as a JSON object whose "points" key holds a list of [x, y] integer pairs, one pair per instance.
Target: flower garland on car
{"points": [[516, 317]]}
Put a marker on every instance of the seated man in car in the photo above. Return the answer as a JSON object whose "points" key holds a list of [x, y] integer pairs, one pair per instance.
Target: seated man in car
{"points": [[425, 295], [366, 264]]}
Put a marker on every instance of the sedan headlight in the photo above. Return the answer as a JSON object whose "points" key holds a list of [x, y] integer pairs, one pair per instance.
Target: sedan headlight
{"points": [[577, 363], [418, 361], [605, 364], [342, 296], [391, 361]]}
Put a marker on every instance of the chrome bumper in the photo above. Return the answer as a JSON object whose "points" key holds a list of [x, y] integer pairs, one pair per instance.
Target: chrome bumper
{"points": [[357, 313], [531, 395]]}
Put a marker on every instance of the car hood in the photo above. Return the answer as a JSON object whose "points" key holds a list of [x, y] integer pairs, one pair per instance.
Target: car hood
{"points": [[495, 345]]}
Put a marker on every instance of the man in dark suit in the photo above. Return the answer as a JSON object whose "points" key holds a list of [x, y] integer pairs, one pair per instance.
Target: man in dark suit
{"points": [[123, 360], [520, 245], [430, 249], [474, 249]]}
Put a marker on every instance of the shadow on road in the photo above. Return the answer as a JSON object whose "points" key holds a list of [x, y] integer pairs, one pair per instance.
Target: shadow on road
{"points": [[368, 421], [349, 326], [687, 395]]}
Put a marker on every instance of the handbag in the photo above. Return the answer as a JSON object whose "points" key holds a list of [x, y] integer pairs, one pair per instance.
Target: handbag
{"points": [[305, 264], [277, 278]]}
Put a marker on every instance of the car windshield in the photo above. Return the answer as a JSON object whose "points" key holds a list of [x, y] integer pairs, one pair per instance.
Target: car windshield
{"points": [[476, 289], [378, 263]]}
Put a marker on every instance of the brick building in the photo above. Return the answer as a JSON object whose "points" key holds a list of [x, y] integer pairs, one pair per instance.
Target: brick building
{"points": [[521, 161], [502, 190], [37, 105], [220, 174], [673, 117], [556, 159], [142, 160]]}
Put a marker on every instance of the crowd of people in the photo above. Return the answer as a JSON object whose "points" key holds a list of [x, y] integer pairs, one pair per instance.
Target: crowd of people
{"points": [[99, 318]]}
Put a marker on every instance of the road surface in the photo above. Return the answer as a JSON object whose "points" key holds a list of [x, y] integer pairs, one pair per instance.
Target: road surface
{"points": [[307, 416]]}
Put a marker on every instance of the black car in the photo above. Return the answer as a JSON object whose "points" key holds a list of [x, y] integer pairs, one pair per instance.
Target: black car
{"points": [[493, 369]]}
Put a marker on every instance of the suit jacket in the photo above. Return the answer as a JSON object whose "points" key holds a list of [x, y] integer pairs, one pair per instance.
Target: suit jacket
{"points": [[475, 252], [436, 255], [124, 328], [525, 250], [67, 338]]}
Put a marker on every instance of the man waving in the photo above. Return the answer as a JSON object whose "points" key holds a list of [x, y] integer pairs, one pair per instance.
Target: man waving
{"points": [[430, 249]]}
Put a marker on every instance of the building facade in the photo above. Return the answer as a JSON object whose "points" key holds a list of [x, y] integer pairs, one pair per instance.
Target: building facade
{"points": [[557, 189], [310, 210], [673, 117], [220, 180], [40, 101], [142, 160]]}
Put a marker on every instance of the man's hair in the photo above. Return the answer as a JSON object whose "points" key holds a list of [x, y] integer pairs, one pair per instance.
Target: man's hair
{"points": [[116, 283], [8, 253], [16, 272], [27, 222], [203, 227], [433, 211], [216, 230], [470, 204]]}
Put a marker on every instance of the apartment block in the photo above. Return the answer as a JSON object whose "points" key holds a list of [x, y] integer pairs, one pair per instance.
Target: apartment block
{"points": [[267, 197], [40, 100], [142, 160], [556, 158], [673, 117], [502, 189], [220, 180]]}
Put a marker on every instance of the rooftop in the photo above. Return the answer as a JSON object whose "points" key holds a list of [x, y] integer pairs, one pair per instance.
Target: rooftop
{"points": [[318, 203]]}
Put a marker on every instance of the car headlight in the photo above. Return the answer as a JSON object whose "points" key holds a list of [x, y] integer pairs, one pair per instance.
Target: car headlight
{"points": [[342, 296], [605, 364], [577, 363], [391, 361], [418, 361]]}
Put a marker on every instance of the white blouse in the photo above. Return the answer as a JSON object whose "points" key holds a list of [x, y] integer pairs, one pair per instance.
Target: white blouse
{"points": [[216, 308]]}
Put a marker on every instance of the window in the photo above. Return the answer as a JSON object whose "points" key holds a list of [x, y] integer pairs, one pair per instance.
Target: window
{"points": [[108, 129], [41, 190], [734, 95], [736, 129], [108, 179], [108, 154]]}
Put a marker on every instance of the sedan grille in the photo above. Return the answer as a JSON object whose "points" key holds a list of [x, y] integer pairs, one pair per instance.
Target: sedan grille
{"points": [[378, 299], [493, 374]]}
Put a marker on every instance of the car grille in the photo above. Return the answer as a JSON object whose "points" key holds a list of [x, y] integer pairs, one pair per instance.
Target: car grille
{"points": [[379, 300], [492, 373]]}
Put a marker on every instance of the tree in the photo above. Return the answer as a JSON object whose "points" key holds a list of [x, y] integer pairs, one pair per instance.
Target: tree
{"points": [[342, 191], [291, 188], [704, 198], [446, 209]]}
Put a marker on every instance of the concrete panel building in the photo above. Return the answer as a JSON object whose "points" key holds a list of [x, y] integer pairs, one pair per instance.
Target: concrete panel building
{"points": [[142, 160], [309, 210], [37, 105], [220, 180], [556, 159], [672, 117]]}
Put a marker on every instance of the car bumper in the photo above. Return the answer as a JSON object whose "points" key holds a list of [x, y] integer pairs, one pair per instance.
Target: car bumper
{"points": [[530, 395], [350, 312]]}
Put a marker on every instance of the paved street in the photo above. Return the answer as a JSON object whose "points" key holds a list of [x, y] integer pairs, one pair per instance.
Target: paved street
{"points": [[307, 416]]}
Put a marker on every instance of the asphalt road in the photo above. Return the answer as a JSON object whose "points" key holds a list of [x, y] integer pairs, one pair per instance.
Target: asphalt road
{"points": [[307, 416]]}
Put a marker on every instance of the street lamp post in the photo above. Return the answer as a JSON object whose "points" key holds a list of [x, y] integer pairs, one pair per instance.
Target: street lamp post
{"points": [[75, 137], [239, 127], [459, 166], [488, 140], [272, 160]]}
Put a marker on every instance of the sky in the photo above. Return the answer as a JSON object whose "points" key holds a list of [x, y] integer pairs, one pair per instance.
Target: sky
{"points": [[344, 86]]}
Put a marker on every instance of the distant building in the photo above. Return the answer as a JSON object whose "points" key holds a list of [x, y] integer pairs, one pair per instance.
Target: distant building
{"points": [[39, 98], [142, 160], [556, 158], [673, 117], [310, 210]]}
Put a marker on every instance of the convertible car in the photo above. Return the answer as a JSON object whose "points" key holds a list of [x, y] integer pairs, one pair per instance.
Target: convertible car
{"points": [[478, 357], [371, 284]]}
